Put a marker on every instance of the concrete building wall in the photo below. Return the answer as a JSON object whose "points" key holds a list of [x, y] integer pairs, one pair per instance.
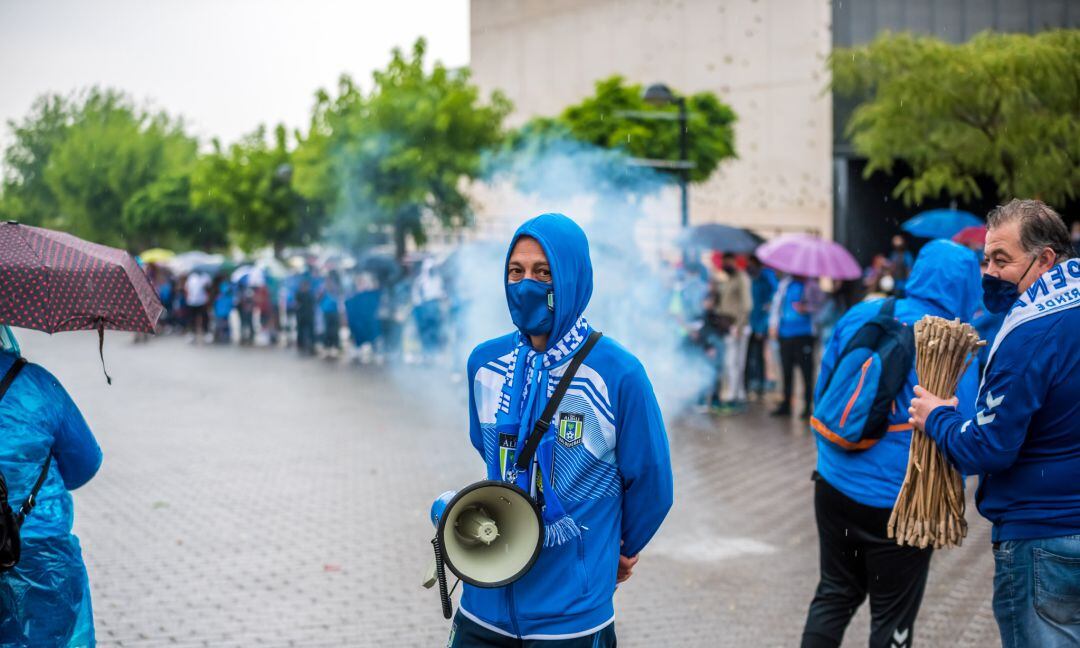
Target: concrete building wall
{"points": [[766, 58]]}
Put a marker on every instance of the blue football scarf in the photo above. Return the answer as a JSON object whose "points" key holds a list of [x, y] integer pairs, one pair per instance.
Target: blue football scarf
{"points": [[525, 392], [1056, 290]]}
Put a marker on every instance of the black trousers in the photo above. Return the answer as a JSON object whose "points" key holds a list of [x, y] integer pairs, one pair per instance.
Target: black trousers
{"points": [[858, 559], [755, 364], [798, 350]]}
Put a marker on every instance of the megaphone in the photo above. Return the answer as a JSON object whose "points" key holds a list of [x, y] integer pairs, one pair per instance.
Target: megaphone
{"points": [[489, 534]]}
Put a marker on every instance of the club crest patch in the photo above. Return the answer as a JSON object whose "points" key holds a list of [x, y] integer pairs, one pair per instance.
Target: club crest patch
{"points": [[571, 427], [507, 453]]}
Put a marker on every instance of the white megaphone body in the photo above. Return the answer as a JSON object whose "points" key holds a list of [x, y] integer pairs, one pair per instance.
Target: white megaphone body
{"points": [[489, 534]]}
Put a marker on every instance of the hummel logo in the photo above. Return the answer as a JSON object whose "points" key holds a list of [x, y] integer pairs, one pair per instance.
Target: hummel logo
{"points": [[900, 638], [991, 403]]}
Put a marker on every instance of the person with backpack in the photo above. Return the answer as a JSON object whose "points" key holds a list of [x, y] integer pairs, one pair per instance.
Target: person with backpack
{"points": [[860, 419], [601, 471], [46, 447]]}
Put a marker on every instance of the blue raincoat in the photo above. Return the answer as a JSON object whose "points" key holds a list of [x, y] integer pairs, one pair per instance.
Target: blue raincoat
{"points": [[45, 599]]}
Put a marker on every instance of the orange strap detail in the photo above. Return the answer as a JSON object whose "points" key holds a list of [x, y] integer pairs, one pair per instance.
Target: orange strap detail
{"points": [[858, 389]]}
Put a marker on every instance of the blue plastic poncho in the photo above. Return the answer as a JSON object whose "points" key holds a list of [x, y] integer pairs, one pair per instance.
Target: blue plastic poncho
{"points": [[45, 599]]}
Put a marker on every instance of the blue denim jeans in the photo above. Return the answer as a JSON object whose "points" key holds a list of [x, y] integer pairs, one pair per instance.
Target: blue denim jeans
{"points": [[1037, 592]]}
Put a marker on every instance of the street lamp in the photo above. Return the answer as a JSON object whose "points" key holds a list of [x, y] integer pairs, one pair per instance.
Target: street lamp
{"points": [[658, 94]]}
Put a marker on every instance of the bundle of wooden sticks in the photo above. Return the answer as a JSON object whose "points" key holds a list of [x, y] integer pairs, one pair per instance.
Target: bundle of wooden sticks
{"points": [[929, 512]]}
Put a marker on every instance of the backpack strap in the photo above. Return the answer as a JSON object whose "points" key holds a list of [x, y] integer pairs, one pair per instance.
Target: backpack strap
{"points": [[28, 505], [9, 377], [31, 499], [542, 424], [888, 308]]}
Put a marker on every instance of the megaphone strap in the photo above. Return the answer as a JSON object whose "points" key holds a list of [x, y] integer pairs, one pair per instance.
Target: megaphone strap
{"points": [[542, 424]]}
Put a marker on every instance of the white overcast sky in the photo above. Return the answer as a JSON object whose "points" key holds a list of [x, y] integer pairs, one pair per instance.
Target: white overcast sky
{"points": [[225, 66]]}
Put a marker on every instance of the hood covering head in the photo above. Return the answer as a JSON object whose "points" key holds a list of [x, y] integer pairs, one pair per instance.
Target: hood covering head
{"points": [[7, 340], [567, 250], [947, 275]]}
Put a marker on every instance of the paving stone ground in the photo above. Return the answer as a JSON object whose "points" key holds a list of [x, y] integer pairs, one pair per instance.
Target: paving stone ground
{"points": [[252, 498]]}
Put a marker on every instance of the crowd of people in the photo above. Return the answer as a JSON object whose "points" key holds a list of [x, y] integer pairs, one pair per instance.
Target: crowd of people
{"points": [[398, 312], [1013, 421]]}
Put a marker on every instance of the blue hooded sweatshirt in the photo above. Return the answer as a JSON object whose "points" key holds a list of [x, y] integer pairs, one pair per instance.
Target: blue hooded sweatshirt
{"points": [[38, 418], [1024, 442], [614, 479], [945, 281]]}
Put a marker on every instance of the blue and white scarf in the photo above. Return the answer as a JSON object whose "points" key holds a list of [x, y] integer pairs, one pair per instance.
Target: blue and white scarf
{"points": [[521, 403], [1056, 290]]}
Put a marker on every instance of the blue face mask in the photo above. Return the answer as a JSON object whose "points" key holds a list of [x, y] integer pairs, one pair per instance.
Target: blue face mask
{"points": [[532, 306], [999, 295]]}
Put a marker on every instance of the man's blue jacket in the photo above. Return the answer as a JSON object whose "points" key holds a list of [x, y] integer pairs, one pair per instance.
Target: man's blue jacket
{"points": [[1024, 442], [614, 479], [943, 282]]}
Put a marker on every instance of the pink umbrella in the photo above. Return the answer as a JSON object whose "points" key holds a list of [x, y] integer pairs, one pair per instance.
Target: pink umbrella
{"points": [[974, 235], [809, 256]]}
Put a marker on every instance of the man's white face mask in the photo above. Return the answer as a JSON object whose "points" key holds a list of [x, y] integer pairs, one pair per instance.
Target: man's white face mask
{"points": [[887, 283]]}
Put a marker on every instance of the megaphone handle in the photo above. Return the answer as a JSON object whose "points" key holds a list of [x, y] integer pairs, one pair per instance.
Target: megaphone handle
{"points": [[440, 572]]}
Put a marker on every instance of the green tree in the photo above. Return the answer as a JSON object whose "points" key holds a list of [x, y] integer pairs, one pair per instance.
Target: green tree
{"points": [[24, 194], [250, 183], [110, 151], [161, 214], [402, 151], [603, 120], [1002, 106]]}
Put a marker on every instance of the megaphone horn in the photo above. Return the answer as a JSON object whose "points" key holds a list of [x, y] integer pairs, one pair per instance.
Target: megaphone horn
{"points": [[489, 534]]}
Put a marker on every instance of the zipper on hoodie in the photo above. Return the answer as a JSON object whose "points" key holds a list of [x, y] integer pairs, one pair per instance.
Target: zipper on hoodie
{"points": [[513, 610]]}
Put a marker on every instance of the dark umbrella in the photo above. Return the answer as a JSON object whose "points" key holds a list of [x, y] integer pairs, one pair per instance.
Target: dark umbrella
{"points": [[54, 282], [722, 238], [384, 266]]}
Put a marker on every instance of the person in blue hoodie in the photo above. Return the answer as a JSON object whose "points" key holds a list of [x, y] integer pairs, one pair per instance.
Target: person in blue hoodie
{"points": [[855, 490], [45, 598], [603, 469], [1024, 439]]}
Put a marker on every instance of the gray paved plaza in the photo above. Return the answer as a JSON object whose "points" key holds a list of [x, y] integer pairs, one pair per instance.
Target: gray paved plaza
{"points": [[249, 497]]}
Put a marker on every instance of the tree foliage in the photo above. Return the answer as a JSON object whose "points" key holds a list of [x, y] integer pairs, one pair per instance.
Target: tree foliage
{"points": [[1003, 106], [399, 152], [161, 214], [602, 120], [77, 161], [250, 183], [26, 195]]}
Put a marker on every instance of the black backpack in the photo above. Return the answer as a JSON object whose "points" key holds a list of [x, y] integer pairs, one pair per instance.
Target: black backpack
{"points": [[10, 520], [853, 403]]}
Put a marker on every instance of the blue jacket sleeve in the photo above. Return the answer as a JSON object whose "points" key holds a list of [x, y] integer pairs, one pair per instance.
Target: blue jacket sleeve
{"points": [[75, 449], [990, 441], [644, 462], [476, 434]]}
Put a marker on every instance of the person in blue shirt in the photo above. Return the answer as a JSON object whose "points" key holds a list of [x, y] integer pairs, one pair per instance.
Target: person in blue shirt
{"points": [[791, 321], [603, 468], [762, 288], [1024, 439], [45, 598], [855, 489]]}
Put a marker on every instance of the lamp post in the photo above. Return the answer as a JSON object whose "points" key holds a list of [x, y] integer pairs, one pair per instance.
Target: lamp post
{"points": [[658, 94]]}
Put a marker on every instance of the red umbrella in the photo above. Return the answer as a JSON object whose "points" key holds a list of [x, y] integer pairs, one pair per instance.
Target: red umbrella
{"points": [[53, 282], [974, 235]]}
